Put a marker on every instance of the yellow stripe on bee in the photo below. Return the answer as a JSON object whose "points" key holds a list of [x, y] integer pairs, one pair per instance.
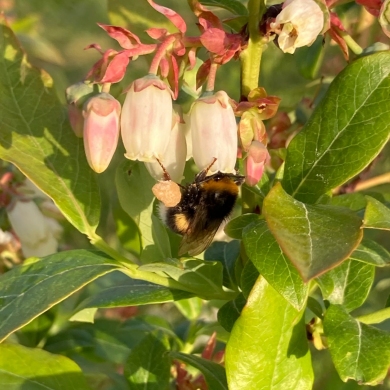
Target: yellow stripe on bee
{"points": [[226, 184], [181, 223]]}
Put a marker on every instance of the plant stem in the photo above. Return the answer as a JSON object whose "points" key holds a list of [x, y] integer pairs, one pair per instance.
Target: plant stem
{"points": [[106, 87], [251, 56], [351, 43], [373, 182], [211, 77], [162, 49], [130, 268]]}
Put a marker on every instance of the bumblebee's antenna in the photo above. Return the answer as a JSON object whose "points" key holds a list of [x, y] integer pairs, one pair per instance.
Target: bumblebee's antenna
{"points": [[166, 174], [212, 163]]}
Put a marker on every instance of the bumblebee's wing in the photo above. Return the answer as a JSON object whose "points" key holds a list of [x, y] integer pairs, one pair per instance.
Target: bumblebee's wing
{"points": [[199, 237]]}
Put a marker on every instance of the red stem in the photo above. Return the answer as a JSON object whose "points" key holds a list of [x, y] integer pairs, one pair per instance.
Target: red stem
{"points": [[162, 49]]}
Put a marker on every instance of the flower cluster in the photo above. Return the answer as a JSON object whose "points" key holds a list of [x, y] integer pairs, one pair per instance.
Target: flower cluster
{"points": [[163, 134]]}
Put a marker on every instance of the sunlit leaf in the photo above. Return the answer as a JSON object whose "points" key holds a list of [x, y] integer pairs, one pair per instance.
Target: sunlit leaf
{"points": [[348, 284], [314, 237], [359, 352], [214, 373], [377, 215], [34, 369], [29, 290], [148, 364], [345, 133], [268, 347], [36, 136], [265, 253]]}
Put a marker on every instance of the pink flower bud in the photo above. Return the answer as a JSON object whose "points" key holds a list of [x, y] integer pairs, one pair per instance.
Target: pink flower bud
{"points": [[101, 130], [214, 133], [146, 119], [255, 161], [174, 157], [299, 24]]}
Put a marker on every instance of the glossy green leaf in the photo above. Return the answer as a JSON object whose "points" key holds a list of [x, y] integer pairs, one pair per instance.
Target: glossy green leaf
{"points": [[268, 348], [133, 293], [345, 133], [376, 317], [36, 136], [134, 185], [29, 290], [230, 312], [355, 201], [348, 284], [377, 215], [249, 276], [148, 365], [24, 368], [314, 237], [202, 277], [235, 227], [309, 58], [190, 308], [359, 352], [371, 252], [234, 6], [213, 373], [265, 253], [227, 254]]}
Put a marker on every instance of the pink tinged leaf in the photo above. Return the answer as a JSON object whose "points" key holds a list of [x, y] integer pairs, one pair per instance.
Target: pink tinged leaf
{"points": [[173, 17], [206, 18], [173, 76], [210, 347], [124, 37], [192, 58], [116, 69], [202, 74], [334, 33], [99, 68], [179, 48], [95, 46], [372, 6], [157, 33], [335, 21], [164, 67], [213, 40]]}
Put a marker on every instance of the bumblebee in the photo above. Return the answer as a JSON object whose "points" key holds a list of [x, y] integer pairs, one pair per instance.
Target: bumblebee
{"points": [[205, 204]]}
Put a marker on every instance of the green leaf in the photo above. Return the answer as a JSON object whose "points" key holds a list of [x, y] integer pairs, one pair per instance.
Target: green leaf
{"points": [[267, 348], [249, 276], [190, 308], [213, 373], [148, 366], [34, 369], [29, 290], [133, 293], [314, 237], [265, 253], [309, 59], [355, 201], [134, 185], [230, 312], [359, 352], [377, 215], [235, 227], [234, 6], [36, 136], [348, 284], [202, 277], [227, 254], [376, 317], [345, 133], [372, 253]]}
